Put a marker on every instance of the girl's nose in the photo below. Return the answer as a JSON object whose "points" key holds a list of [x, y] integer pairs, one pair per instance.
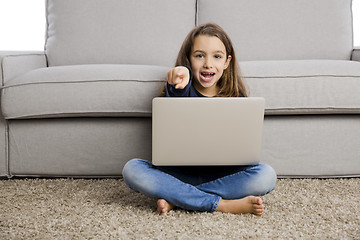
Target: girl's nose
{"points": [[207, 63]]}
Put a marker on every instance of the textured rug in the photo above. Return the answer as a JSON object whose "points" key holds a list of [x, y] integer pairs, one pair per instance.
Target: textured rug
{"points": [[107, 209]]}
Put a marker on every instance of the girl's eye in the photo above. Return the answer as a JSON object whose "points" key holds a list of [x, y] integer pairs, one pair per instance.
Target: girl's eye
{"points": [[199, 56], [217, 56]]}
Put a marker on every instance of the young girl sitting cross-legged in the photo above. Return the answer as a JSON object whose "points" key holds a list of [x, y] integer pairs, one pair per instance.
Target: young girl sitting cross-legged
{"points": [[206, 66]]}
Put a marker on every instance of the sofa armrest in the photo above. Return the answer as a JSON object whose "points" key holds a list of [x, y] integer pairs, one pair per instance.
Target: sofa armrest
{"points": [[13, 64], [356, 55]]}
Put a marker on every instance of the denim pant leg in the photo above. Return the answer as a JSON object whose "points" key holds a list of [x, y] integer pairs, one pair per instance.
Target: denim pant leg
{"points": [[141, 176], [254, 180]]}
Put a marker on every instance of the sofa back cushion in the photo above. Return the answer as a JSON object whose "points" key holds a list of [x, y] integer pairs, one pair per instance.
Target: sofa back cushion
{"points": [[117, 31], [283, 29]]}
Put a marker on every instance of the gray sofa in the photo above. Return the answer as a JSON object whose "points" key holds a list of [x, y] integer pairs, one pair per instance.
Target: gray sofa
{"points": [[82, 107]]}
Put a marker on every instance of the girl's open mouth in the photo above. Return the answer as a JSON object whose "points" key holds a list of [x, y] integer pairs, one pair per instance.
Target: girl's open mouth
{"points": [[207, 76]]}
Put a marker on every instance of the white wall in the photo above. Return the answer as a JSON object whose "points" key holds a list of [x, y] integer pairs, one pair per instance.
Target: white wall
{"points": [[356, 16], [22, 24]]}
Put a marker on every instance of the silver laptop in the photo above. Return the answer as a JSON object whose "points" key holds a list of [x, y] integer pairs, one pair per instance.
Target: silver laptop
{"points": [[206, 131]]}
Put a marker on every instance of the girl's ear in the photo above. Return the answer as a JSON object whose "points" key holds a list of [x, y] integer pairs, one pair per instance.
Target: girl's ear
{"points": [[228, 60]]}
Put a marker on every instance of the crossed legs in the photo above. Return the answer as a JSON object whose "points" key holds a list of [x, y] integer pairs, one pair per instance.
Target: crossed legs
{"points": [[234, 192]]}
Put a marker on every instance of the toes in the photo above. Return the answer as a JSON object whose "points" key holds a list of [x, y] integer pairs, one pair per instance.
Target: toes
{"points": [[255, 206], [255, 200], [258, 211], [258, 201], [161, 206], [161, 203]]}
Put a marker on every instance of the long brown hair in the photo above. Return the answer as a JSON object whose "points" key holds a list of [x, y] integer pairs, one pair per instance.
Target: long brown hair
{"points": [[230, 83]]}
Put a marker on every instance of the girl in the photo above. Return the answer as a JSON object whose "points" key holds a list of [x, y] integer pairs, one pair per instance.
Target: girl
{"points": [[206, 67]]}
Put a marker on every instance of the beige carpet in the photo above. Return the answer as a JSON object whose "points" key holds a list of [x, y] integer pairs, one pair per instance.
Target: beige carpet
{"points": [[106, 209]]}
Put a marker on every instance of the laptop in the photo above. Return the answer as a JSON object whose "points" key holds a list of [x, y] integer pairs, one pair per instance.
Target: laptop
{"points": [[206, 131]]}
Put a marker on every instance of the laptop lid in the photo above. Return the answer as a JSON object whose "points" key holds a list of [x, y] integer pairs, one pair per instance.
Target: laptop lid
{"points": [[207, 131]]}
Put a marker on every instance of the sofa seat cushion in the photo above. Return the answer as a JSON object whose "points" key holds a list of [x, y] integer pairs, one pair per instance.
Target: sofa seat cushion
{"points": [[305, 86], [83, 91]]}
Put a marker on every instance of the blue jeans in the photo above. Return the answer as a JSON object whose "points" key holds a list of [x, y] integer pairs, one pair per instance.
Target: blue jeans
{"points": [[198, 188]]}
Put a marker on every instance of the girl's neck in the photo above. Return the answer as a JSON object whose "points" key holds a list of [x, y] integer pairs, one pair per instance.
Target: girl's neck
{"points": [[208, 92]]}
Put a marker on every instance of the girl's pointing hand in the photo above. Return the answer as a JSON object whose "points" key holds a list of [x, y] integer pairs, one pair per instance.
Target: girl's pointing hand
{"points": [[178, 76]]}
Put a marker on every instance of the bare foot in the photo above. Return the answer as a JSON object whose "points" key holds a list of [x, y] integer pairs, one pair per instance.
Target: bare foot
{"points": [[163, 206], [249, 204]]}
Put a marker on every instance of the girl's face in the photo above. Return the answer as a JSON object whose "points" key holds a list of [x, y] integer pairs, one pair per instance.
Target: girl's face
{"points": [[208, 61]]}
